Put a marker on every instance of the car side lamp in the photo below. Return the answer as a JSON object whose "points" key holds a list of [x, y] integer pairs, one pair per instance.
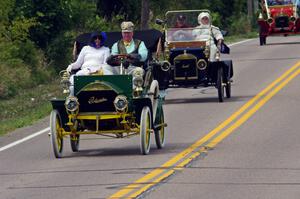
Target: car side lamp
{"points": [[206, 51], [138, 80], [64, 82]]}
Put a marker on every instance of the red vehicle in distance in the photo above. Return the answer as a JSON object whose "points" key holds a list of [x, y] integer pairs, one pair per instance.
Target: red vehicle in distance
{"points": [[278, 17]]}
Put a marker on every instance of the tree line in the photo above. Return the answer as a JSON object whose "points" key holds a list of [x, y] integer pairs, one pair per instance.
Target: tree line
{"points": [[36, 36]]}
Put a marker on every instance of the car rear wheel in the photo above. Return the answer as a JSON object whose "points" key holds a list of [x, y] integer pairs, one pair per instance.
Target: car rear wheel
{"points": [[145, 130], [220, 84], [160, 138], [74, 140], [56, 133], [153, 93], [228, 89]]}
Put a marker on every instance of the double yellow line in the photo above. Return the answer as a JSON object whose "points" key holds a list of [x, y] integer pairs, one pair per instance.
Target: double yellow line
{"points": [[179, 161]]}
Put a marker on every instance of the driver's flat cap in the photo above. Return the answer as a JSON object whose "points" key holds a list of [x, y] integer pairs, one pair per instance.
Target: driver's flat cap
{"points": [[127, 26]]}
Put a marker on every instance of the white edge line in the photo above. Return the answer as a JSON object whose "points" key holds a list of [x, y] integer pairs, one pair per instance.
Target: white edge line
{"points": [[240, 42], [47, 129], [24, 139]]}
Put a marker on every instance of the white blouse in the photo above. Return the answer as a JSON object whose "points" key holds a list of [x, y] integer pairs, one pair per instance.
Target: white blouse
{"points": [[91, 58]]}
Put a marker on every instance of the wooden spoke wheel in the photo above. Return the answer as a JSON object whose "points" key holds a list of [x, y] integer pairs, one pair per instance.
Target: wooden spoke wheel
{"points": [[56, 133], [145, 130]]}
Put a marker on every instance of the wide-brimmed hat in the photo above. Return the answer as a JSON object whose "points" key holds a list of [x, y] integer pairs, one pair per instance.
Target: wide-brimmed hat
{"points": [[127, 26], [94, 35]]}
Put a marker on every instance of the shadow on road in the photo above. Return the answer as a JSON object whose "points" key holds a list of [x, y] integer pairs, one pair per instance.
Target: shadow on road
{"points": [[207, 100], [283, 43]]}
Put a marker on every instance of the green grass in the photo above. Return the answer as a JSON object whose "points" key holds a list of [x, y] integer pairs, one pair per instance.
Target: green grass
{"points": [[27, 107], [236, 38]]}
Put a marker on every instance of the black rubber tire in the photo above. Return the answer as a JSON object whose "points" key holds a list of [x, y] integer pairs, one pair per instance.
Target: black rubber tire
{"points": [[228, 89], [220, 85], [160, 137]]}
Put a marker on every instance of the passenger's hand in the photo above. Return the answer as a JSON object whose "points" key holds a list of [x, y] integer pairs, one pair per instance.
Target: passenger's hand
{"points": [[219, 44], [69, 69]]}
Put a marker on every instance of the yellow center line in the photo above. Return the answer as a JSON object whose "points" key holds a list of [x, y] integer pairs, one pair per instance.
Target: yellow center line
{"points": [[253, 110], [139, 185]]}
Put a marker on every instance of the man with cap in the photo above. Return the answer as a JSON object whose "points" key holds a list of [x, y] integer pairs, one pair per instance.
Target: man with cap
{"points": [[134, 48], [207, 32], [180, 31], [181, 22]]}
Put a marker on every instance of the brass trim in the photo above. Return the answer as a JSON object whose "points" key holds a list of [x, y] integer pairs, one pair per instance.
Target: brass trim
{"points": [[183, 78]]}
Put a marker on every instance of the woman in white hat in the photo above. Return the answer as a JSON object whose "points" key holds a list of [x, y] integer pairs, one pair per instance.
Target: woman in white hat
{"points": [[207, 32]]}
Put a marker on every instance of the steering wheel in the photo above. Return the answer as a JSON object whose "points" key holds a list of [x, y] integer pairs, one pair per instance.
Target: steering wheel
{"points": [[181, 35], [125, 59]]}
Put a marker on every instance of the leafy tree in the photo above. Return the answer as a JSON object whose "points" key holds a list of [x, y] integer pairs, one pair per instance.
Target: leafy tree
{"points": [[52, 16], [130, 9]]}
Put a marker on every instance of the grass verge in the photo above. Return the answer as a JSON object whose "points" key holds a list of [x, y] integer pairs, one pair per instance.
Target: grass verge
{"points": [[27, 107], [236, 38]]}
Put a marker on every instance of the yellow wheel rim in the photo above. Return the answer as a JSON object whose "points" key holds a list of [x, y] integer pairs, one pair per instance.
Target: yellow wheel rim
{"points": [[59, 134]]}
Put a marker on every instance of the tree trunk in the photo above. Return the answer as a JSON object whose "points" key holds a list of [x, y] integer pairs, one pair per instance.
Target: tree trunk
{"points": [[250, 8], [145, 15]]}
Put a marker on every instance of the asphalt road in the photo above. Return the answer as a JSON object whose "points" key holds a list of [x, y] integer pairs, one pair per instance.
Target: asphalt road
{"points": [[246, 147]]}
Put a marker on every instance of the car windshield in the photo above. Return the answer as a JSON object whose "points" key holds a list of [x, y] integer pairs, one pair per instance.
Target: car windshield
{"points": [[280, 2], [184, 26]]}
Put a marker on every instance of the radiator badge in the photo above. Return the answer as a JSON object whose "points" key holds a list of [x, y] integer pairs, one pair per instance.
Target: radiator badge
{"points": [[185, 66], [94, 100]]}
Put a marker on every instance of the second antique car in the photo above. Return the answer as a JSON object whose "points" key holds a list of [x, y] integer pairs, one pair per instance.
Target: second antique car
{"points": [[189, 57], [114, 106], [278, 17]]}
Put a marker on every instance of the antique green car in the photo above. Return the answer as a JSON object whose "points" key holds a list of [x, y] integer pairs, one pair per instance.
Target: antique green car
{"points": [[117, 106]]}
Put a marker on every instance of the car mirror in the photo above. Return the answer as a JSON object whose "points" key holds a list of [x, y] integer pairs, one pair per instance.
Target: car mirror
{"points": [[159, 22]]}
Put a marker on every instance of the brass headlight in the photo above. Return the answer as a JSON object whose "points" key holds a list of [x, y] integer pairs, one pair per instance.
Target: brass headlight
{"points": [[201, 64], [270, 20], [293, 18], [165, 66], [72, 104], [121, 103]]}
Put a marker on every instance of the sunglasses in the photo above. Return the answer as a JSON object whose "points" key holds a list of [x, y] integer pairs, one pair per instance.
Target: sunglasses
{"points": [[97, 37]]}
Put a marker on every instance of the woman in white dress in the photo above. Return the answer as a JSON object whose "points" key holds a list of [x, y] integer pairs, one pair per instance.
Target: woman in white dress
{"points": [[209, 33], [91, 59]]}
